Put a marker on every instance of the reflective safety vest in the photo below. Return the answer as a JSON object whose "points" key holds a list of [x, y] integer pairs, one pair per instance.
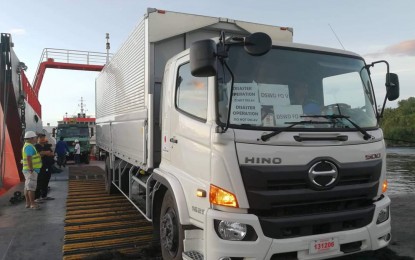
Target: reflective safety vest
{"points": [[36, 160]]}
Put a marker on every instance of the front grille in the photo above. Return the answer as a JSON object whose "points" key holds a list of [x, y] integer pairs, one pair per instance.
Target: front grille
{"points": [[351, 178], [314, 224], [287, 205], [310, 208]]}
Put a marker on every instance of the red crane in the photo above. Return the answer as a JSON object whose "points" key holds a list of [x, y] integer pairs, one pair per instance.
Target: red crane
{"points": [[11, 129]]}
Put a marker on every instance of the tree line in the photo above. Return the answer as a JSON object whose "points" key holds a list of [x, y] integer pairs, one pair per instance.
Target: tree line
{"points": [[398, 124]]}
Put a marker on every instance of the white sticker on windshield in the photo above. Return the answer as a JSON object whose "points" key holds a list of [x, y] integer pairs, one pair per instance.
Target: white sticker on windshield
{"points": [[274, 94], [285, 114], [245, 104], [267, 116]]}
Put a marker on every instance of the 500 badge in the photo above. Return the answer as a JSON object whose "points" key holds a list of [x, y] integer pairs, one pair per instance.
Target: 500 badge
{"points": [[373, 156]]}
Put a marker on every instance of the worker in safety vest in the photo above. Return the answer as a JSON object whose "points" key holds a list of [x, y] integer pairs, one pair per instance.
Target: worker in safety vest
{"points": [[31, 167]]}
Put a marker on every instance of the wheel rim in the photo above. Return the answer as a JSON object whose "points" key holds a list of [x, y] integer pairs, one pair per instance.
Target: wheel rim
{"points": [[168, 232]]}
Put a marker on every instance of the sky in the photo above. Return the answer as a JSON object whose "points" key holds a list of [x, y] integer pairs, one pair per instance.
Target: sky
{"points": [[375, 29]]}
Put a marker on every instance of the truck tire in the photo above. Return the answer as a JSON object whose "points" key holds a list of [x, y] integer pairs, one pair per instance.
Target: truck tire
{"points": [[171, 231], [86, 159]]}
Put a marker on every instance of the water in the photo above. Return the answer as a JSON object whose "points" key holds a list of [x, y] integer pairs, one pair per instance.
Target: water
{"points": [[401, 170]]}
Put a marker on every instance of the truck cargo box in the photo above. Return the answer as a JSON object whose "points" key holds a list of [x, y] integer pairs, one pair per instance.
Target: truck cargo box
{"points": [[128, 88]]}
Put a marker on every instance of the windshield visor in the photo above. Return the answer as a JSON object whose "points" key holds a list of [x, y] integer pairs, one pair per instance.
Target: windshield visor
{"points": [[289, 85]]}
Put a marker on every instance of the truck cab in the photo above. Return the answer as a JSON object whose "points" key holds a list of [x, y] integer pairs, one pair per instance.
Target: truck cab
{"points": [[74, 131], [293, 166], [237, 143]]}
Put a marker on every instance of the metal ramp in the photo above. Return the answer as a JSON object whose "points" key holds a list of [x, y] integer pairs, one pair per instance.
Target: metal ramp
{"points": [[102, 225]]}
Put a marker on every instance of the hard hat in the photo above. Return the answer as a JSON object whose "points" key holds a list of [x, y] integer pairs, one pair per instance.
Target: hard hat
{"points": [[76, 141], [29, 134]]}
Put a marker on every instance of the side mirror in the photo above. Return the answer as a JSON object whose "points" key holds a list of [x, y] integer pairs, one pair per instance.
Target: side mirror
{"points": [[203, 58], [53, 132], [258, 44], [92, 132], [392, 86]]}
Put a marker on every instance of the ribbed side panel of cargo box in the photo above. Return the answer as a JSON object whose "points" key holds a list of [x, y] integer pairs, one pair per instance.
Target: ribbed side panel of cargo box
{"points": [[128, 90], [121, 104]]}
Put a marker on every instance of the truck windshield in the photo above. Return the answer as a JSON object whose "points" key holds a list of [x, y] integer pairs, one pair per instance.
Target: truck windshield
{"points": [[73, 132], [287, 85]]}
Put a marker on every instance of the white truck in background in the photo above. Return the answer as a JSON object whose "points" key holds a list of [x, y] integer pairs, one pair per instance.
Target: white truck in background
{"points": [[266, 174]]}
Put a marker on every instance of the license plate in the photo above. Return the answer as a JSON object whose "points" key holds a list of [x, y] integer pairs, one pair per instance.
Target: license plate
{"points": [[324, 245]]}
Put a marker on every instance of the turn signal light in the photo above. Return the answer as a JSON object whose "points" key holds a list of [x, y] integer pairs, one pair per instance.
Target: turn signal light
{"points": [[222, 197], [201, 193], [384, 186]]}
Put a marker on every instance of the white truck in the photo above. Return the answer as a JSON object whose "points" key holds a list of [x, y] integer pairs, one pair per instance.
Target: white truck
{"points": [[291, 167]]}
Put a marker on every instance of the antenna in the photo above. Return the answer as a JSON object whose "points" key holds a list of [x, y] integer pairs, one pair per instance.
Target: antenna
{"points": [[82, 105], [107, 36], [337, 37]]}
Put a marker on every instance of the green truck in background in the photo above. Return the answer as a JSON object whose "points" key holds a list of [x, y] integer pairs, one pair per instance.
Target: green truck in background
{"points": [[75, 131]]}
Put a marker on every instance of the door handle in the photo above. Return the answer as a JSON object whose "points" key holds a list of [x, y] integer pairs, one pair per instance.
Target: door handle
{"points": [[173, 140]]}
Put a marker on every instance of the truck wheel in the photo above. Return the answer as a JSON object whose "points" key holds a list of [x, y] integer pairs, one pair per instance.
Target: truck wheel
{"points": [[87, 159], [84, 158], [171, 231]]}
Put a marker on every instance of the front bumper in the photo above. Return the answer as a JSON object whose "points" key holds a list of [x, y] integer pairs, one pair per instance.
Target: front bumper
{"points": [[370, 236]]}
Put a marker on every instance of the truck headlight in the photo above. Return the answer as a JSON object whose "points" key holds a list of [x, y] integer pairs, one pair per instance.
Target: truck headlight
{"points": [[229, 230], [383, 215]]}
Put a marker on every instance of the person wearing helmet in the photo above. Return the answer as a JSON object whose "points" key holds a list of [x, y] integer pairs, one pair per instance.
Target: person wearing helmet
{"points": [[77, 152], [31, 167], [43, 177]]}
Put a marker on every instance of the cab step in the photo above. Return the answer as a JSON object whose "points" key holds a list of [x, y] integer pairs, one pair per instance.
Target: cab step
{"points": [[192, 255]]}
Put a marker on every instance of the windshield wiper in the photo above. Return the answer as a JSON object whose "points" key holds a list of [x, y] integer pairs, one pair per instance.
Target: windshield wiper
{"points": [[366, 135], [265, 137]]}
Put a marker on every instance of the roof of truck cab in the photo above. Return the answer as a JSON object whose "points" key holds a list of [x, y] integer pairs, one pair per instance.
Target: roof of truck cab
{"points": [[298, 46], [72, 125], [315, 48]]}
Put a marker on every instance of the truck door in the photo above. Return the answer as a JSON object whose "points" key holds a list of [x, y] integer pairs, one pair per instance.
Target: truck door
{"points": [[189, 128]]}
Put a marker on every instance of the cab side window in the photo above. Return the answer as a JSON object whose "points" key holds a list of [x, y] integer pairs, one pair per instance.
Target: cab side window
{"points": [[191, 93]]}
